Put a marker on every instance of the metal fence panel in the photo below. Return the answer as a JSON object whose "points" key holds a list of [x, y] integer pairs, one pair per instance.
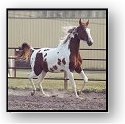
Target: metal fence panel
{"points": [[47, 33]]}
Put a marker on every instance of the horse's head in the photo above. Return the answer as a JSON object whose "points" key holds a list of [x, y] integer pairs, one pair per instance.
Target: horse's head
{"points": [[84, 32], [24, 51]]}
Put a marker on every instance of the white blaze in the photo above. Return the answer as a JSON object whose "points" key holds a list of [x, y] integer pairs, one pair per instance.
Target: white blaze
{"points": [[89, 34]]}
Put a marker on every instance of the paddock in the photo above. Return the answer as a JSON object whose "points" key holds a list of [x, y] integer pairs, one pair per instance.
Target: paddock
{"points": [[46, 32]]}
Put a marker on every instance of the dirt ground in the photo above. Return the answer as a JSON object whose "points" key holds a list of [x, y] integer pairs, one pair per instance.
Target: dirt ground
{"points": [[58, 100]]}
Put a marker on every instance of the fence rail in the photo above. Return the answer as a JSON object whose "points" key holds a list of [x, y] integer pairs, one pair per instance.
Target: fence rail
{"points": [[79, 49], [57, 79], [24, 68], [82, 59]]}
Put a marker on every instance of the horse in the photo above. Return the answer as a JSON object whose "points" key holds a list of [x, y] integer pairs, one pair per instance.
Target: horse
{"points": [[65, 57]]}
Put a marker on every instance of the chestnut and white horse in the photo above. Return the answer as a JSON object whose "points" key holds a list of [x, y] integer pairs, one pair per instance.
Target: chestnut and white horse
{"points": [[65, 57]]}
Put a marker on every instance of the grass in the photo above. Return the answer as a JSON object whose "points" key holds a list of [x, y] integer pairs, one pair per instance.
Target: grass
{"points": [[25, 84], [94, 75], [58, 84]]}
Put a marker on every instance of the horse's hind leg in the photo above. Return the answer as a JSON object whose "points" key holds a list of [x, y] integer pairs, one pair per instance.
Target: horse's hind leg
{"points": [[31, 76], [40, 79]]}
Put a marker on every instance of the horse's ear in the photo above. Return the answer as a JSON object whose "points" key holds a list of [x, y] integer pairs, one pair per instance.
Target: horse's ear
{"points": [[80, 21], [87, 23]]}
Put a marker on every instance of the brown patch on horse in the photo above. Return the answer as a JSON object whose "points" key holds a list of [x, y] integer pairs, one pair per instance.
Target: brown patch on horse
{"points": [[40, 65], [51, 69], [46, 49], [78, 68], [45, 66], [55, 67], [63, 61], [45, 55], [62, 70], [75, 63], [75, 60], [59, 62]]}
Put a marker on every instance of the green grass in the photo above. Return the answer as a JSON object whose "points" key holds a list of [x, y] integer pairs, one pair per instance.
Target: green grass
{"points": [[93, 75], [56, 84], [59, 84]]}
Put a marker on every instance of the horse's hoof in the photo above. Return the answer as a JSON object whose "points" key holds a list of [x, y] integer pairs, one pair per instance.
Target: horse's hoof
{"points": [[79, 97], [46, 95], [79, 92], [32, 93], [53, 95]]}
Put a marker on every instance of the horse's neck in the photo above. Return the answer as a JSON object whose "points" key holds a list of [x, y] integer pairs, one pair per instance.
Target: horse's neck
{"points": [[71, 43], [74, 45]]}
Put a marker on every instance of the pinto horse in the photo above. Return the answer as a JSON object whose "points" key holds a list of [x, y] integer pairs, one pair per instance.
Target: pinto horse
{"points": [[65, 57]]}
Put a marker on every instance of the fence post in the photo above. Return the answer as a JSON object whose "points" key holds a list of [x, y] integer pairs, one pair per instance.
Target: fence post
{"points": [[12, 65], [65, 81], [15, 63]]}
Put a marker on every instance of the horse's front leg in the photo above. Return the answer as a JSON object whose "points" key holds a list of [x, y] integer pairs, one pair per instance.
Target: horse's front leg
{"points": [[71, 78], [31, 76], [85, 78]]}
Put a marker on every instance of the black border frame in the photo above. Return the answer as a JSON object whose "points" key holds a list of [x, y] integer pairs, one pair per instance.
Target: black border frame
{"points": [[36, 9]]}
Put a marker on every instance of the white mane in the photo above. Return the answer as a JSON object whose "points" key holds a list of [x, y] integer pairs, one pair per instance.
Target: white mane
{"points": [[67, 33]]}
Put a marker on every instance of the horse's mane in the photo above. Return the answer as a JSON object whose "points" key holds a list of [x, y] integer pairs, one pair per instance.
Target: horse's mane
{"points": [[67, 30]]}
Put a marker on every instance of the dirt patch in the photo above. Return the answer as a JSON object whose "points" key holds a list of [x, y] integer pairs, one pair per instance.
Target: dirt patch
{"points": [[59, 100]]}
